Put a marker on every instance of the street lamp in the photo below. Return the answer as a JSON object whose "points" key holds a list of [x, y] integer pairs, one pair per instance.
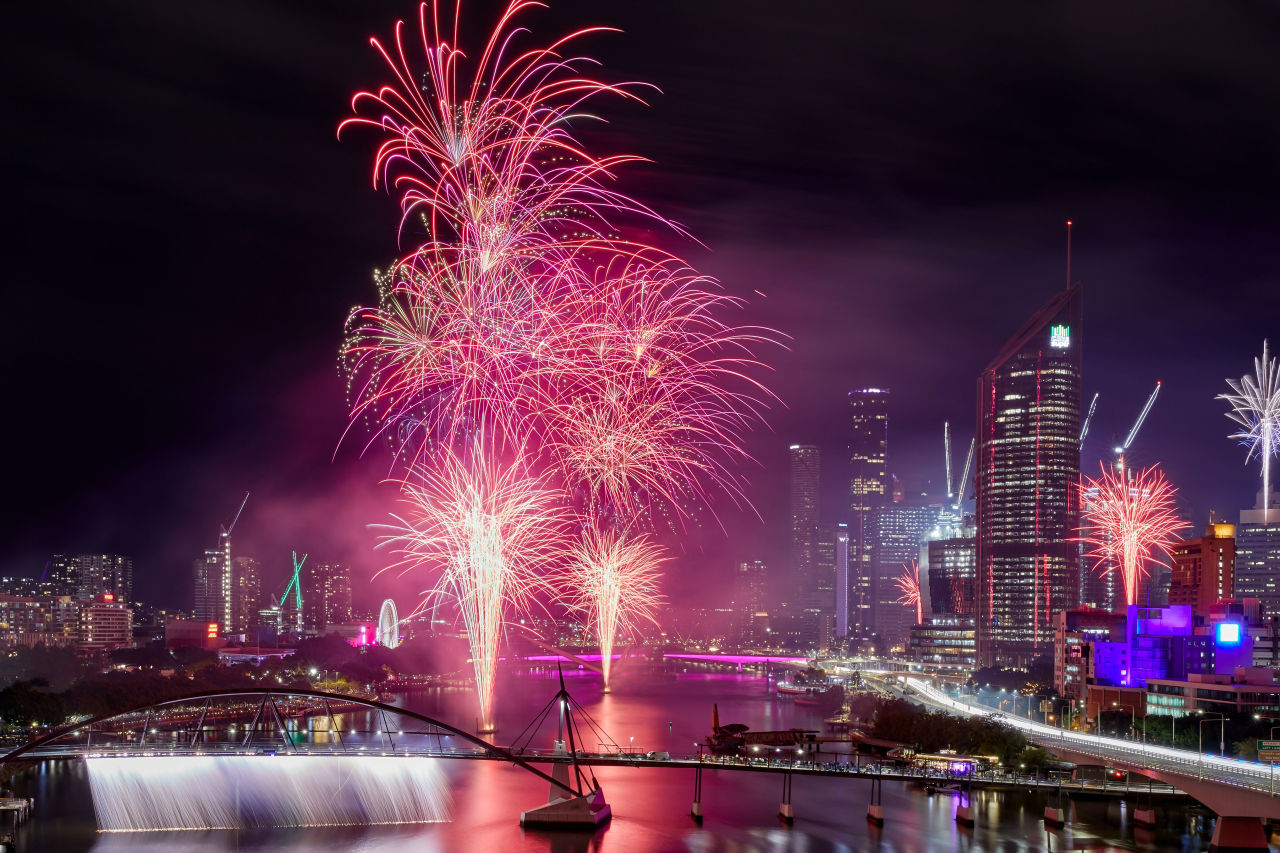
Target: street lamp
{"points": [[1133, 716], [1222, 736]]}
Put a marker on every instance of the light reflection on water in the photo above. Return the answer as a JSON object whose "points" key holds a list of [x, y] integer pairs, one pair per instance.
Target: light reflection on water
{"points": [[650, 805]]}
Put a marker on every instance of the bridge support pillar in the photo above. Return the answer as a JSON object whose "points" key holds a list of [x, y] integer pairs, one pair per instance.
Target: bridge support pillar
{"points": [[1145, 818], [695, 811], [1238, 835], [964, 813], [1054, 816], [785, 810]]}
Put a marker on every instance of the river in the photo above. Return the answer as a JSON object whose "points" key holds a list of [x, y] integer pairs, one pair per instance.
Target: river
{"points": [[670, 711]]}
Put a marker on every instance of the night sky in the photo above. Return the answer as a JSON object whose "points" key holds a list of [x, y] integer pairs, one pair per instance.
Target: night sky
{"points": [[185, 236]]}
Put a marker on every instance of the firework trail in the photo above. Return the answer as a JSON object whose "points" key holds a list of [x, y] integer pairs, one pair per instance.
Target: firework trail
{"points": [[487, 533], [614, 580], [1130, 523], [1255, 405], [908, 584]]}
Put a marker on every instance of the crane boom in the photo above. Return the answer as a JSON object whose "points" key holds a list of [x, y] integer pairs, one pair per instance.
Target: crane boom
{"points": [[946, 452], [232, 526], [964, 475], [1093, 407], [1142, 416]]}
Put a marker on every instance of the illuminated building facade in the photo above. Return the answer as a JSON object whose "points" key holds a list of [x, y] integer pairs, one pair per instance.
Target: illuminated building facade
{"points": [[326, 595], [1257, 571], [951, 571], [806, 469], [1204, 570], [898, 530], [246, 595], [868, 489], [106, 623], [96, 574], [1028, 474]]}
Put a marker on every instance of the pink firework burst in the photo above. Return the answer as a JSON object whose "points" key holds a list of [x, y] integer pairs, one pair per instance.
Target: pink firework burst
{"points": [[484, 535], [908, 584], [1131, 524], [614, 580]]}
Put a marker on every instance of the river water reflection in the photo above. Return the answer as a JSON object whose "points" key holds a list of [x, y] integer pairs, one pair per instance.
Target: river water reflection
{"points": [[658, 711]]}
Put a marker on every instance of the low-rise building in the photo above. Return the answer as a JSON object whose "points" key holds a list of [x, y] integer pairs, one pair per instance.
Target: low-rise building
{"points": [[1245, 690], [944, 639]]}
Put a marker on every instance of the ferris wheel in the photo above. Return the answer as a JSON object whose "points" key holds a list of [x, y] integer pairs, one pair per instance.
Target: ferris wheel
{"points": [[388, 625]]}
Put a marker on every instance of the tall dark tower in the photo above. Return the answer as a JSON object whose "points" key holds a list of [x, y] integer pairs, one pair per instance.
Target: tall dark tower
{"points": [[801, 573], [1028, 478], [868, 489]]}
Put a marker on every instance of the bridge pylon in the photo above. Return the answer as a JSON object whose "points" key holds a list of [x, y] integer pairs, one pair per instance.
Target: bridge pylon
{"points": [[572, 800]]}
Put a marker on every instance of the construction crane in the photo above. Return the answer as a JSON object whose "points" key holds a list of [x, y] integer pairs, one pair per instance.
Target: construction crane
{"points": [[226, 531], [1137, 425], [295, 586], [1093, 407], [946, 452], [964, 474]]}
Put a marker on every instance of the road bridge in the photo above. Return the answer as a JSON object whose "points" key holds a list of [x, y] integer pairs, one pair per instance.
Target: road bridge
{"points": [[1241, 793]]}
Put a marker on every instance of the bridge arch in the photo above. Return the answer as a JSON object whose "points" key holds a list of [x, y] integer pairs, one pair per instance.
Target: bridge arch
{"points": [[32, 748]]}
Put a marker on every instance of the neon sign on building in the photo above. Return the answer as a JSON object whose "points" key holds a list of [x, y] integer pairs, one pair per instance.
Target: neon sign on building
{"points": [[1060, 336]]}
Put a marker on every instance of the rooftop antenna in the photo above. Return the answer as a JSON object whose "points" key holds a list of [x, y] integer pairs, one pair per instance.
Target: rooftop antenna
{"points": [[1069, 253]]}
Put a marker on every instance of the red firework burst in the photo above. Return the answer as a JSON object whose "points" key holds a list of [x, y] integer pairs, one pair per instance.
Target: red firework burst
{"points": [[1131, 524]]}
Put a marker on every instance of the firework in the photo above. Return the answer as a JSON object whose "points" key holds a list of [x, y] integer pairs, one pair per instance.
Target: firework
{"points": [[1255, 405], [908, 584], [1131, 523], [485, 533], [519, 328], [614, 580]]}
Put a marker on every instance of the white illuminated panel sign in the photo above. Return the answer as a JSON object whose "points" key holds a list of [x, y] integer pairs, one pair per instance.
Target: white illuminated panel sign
{"points": [[1060, 337]]}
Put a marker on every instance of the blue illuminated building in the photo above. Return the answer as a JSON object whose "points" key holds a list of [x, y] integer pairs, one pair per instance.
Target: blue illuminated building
{"points": [[1163, 643]]}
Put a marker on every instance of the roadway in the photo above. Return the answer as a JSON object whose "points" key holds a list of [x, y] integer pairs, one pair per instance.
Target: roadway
{"points": [[1251, 775]]}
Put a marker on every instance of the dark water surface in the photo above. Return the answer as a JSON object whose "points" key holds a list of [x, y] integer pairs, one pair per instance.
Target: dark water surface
{"points": [[651, 806]]}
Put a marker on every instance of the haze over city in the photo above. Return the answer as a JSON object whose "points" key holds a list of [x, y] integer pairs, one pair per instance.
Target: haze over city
{"points": [[427, 416]]}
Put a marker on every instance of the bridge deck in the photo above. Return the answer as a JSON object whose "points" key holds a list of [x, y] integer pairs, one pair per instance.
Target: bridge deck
{"points": [[681, 762]]}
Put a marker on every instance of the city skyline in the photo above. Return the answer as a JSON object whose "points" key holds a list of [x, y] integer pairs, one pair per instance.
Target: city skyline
{"points": [[884, 265]]}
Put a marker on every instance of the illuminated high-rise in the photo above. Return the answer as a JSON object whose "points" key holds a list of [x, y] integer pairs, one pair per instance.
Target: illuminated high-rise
{"points": [[1028, 475], [1257, 569], [868, 489], [246, 594], [98, 574], [326, 595], [1204, 570], [805, 474]]}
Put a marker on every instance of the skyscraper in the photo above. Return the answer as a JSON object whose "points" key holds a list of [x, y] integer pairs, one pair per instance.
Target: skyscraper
{"points": [[843, 587], [96, 574], [326, 595], [800, 582], [951, 570], [1028, 473], [868, 488], [246, 595], [1258, 555], [213, 585], [898, 529], [1204, 570]]}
